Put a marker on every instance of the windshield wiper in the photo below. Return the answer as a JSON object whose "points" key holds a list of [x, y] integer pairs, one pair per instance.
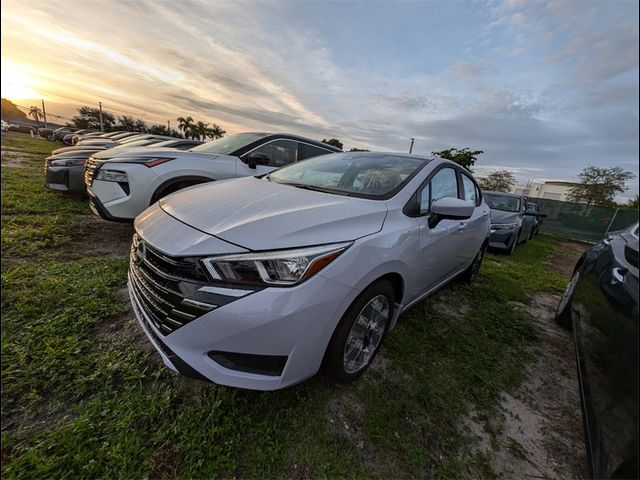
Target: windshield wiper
{"points": [[313, 188]]}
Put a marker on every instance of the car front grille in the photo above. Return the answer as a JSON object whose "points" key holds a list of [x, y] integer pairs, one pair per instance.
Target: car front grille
{"points": [[90, 170], [168, 288]]}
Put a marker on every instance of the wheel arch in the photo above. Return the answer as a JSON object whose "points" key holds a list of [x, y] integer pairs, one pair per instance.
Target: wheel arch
{"points": [[188, 180]]}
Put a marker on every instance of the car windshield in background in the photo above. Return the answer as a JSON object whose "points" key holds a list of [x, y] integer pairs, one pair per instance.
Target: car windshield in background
{"points": [[502, 202], [369, 176], [228, 145]]}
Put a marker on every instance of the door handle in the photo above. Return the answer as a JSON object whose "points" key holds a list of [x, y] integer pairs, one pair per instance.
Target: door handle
{"points": [[618, 274]]}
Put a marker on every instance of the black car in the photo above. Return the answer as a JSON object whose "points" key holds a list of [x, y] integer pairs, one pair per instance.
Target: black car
{"points": [[600, 304]]}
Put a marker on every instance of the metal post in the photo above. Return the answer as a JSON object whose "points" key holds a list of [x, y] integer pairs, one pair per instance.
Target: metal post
{"points": [[612, 219], [168, 124], [411, 146], [101, 125], [44, 114]]}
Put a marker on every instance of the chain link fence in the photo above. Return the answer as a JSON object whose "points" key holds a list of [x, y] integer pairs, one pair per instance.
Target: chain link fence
{"points": [[582, 222]]}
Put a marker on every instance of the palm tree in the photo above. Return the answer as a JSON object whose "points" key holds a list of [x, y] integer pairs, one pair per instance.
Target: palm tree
{"points": [[201, 129], [185, 124], [36, 114], [215, 131]]}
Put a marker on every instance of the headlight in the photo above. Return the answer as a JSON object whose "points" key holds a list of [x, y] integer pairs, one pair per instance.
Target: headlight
{"points": [[112, 176], [504, 226], [68, 162], [284, 267]]}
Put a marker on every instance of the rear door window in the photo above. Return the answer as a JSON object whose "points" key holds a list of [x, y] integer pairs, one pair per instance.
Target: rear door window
{"points": [[308, 151], [470, 190]]}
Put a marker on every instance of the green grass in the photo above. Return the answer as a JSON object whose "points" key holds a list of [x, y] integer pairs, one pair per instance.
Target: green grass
{"points": [[83, 395]]}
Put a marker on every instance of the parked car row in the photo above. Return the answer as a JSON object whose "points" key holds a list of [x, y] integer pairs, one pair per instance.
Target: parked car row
{"points": [[514, 220], [297, 266]]}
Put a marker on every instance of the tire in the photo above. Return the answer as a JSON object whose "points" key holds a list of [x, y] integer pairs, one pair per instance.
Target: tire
{"points": [[172, 188], [515, 242], [563, 312], [470, 274], [334, 364]]}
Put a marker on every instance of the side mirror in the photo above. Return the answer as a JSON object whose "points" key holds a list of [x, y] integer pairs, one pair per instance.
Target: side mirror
{"points": [[532, 213], [257, 158], [449, 208]]}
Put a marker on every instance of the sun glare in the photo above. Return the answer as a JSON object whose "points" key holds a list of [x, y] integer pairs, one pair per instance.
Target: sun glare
{"points": [[15, 84]]}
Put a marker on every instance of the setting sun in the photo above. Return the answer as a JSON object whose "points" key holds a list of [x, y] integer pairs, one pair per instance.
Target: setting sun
{"points": [[16, 84]]}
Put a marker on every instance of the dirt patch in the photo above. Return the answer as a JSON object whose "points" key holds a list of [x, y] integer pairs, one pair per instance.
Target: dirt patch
{"points": [[540, 433], [98, 237], [565, 257], [18, 159]]}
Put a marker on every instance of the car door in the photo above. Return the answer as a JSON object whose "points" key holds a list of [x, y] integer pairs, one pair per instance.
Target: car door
{"points": [[472, 231], [437, 245], [281, 152], [605, 313]]}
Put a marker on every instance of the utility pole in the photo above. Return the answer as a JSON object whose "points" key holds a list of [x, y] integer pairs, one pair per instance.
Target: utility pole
{"points": [[101, 125], [411, 146], [44, 114]]}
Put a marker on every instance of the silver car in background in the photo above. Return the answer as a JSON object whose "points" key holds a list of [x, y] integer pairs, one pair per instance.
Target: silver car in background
{"points": [[257, 282]]}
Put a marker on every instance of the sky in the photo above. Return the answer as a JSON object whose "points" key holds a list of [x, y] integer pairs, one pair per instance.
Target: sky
{"points": [[544, 89]]}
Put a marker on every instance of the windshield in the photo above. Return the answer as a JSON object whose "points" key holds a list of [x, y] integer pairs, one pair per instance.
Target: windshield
{"points": [[502, 202], [368, 176], [228, 145]]}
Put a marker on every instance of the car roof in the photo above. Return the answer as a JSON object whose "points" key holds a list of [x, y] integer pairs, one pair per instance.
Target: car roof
{"points": [[291, 136]]}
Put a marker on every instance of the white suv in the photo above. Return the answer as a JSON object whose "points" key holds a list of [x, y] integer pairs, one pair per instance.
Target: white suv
{"points": [[122, 186]]}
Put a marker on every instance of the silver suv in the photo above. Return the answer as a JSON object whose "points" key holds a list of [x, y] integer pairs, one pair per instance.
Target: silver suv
{"points": [[258, 282]]}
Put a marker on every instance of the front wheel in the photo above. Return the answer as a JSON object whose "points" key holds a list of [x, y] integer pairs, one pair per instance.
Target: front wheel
{"points": [[359, 334]]}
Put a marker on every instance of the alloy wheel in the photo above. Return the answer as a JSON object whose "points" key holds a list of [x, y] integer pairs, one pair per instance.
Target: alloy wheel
{"points": [[366, 334]]}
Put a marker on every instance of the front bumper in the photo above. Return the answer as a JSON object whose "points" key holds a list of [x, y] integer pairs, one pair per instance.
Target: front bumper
{"points": [[296, 323], [65, 179], [502, 239]]}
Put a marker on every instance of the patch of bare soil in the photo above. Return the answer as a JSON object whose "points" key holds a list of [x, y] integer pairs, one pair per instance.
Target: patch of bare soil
{"points": [[540, 434], [98, 237], [17, 159], [565, 257]]}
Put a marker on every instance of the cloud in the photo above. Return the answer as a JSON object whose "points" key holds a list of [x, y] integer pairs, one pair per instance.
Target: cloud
{"points": [[542, 88]]}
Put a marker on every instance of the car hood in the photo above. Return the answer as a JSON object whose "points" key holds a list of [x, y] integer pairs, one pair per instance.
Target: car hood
{"points": [[500, 216], [261, 215], [87, 143], [135, 152], [76, 149], [127, 153]]}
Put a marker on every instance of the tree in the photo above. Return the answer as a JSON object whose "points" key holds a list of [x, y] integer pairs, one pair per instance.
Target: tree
{"points": [[131, 124], [498, 181], [163, 130], [333, 141], [464, 157], [36, 114], [215, 131], [633, 203], [89, 117], [598, 186], [10, 110], [185, 125], [359, 150]]}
